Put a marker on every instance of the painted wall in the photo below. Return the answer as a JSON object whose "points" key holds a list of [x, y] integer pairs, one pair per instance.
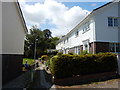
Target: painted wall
{"points": [[103, 32], [99, 30], [12, 31], [77, 41]]}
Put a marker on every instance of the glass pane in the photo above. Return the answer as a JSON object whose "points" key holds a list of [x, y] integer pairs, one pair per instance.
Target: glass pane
{"points": [[115, 22], [112, 47], [110, 21]]}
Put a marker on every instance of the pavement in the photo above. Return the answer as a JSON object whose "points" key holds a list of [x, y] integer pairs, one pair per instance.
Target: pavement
{"points": [[112, 84], [19, 82], [42, 80]]}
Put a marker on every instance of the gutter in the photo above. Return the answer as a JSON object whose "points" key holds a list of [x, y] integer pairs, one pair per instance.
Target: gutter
{"points": [[21, 15]]}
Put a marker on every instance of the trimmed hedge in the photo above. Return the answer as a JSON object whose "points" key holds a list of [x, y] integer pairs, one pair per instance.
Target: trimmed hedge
{"points": [[66, 65]]}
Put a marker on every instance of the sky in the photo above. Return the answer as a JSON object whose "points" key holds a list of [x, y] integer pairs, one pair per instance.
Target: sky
{"points": [[58, 17]]}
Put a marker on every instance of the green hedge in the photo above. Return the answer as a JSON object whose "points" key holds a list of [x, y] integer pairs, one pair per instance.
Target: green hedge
{"points": [[66, 65]]}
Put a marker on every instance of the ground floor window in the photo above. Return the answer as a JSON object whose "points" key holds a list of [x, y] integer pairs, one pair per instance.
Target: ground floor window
{"points": [[86, 45], [114, 47]]}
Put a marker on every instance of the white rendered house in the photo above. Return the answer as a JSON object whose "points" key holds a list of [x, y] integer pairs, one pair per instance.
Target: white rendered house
{"points": [[98, 32], [13, 33]]}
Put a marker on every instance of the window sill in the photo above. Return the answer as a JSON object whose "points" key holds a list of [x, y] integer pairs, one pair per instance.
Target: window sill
{"points": [[113, 26], [85, 31]]}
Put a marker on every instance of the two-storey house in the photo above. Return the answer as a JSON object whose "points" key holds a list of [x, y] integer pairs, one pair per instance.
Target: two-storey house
{"points": [[98, 32]]}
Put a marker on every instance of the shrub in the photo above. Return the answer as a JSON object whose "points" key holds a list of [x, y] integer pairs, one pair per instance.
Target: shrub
{"points": [[44, 57], [66, 65], [71, 53], [84, 52], [60, 53]]}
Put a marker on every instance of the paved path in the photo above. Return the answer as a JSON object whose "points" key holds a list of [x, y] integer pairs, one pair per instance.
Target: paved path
{"points": [[19, 82], [113, 84], [42, 79]]}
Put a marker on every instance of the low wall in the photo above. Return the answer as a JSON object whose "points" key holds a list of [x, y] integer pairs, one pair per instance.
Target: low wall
{"points": [[85, 78]]}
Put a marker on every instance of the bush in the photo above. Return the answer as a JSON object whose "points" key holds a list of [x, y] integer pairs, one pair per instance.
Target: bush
{"points": [[84, 52], [60, 53], [45, 57], [66, 65], [71, 53]]}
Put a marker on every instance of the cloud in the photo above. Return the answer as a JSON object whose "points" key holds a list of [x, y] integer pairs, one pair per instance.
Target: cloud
{"points": [[54, 13], [94, 4]]}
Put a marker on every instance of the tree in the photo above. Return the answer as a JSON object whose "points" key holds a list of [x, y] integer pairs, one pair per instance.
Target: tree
{"points": [[53, 42], [47, 33], [43, 40], [35, 34]]}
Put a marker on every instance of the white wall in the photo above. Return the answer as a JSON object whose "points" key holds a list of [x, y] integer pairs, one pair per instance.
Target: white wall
{"points": [[12, 31], [103, 32], [77, 41], [99, 30]]}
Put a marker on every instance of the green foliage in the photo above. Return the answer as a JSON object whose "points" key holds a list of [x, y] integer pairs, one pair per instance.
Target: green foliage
{"points": [[47, 63], [45, 57], [52, 53], [43, 40], [29, 61], [84, 52], [66, 65], [60, 53], [71, 53]]}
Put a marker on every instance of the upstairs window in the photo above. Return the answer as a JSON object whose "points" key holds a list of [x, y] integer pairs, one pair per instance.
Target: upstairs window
{"points": [[67, 39], [115, 22], [64, 41], [86, 27], [112, 22], [76, 33]]}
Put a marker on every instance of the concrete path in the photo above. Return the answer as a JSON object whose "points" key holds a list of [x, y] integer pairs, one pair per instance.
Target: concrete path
{"points": [[42, 79], [19, 82]]}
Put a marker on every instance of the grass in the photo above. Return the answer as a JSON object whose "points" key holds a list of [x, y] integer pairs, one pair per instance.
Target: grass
{"points": [[29, 61]]}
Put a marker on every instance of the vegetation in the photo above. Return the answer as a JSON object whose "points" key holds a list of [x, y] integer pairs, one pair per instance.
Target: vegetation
{"points": [[43, 40], [29, 61], [66, 65], [44, 57]]}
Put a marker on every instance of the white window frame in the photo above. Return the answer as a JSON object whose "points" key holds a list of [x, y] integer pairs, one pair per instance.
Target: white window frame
{"points": [[114, 46], [86, 42], [112, 23], [86, 27], [77, 33]]}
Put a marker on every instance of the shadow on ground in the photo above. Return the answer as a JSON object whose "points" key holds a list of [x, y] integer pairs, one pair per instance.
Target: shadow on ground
{"points": [[42, 81]]}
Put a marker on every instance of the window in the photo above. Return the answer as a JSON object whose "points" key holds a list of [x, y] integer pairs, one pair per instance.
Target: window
{"points": [[86, 27], [112, 22], [86, 45], [76, 33], [64, 41], [115, 22], [114, 47], [67, 39]]}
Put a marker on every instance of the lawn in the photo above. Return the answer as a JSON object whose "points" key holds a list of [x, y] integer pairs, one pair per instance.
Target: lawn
{"points": [[29, 61]]}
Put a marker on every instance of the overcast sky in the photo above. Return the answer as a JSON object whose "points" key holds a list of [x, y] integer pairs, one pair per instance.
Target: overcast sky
{"points": [[59, 17]]}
